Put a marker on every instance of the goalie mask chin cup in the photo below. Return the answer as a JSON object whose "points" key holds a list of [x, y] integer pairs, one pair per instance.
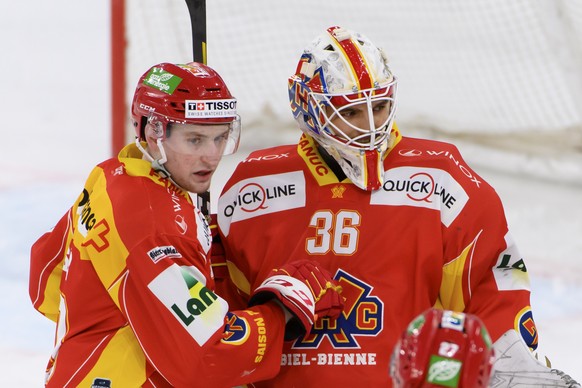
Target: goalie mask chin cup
{"points": [[340, 70]]}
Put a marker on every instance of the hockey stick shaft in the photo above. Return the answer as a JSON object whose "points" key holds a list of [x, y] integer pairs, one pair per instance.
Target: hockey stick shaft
{"points": [[197, 10]]}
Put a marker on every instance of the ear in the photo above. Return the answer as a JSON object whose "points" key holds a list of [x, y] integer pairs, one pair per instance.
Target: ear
{"points": [[152, 133]]}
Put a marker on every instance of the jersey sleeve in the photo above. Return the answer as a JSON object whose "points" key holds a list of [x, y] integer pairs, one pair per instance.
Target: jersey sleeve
{"points": [[186, 330], [485, 273], [47, 258]]}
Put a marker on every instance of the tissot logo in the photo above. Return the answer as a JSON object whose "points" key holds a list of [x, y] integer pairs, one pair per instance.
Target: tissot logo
{"points": [[210, 108], [212, 105]]}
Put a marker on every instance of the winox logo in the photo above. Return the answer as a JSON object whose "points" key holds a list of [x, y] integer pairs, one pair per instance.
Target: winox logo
{"points": [[455, 159]]}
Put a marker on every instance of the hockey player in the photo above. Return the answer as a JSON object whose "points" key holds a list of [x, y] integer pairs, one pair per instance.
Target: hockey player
{"points": [[442, 348], [404, 224], [126, 272]]}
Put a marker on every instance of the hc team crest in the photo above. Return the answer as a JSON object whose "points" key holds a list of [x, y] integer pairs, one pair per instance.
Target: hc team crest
{"points": [[362, 316]]}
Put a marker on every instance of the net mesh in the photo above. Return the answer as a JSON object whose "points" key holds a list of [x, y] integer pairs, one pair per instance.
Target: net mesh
{"points": [[500, 78]]}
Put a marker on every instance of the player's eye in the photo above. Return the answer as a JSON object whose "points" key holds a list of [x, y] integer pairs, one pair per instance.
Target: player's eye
{"points": [[347, 113], [380, 107], [196, 140]]}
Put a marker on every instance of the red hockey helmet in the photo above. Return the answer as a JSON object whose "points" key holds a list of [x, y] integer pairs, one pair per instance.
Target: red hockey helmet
{"points": [[442, 348], [190, 93]]}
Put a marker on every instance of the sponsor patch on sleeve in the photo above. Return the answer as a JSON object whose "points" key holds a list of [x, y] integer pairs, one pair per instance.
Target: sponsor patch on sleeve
{"points": [[510, 271], [526, 327], [199, 310], [236, 331], [165, 252]]}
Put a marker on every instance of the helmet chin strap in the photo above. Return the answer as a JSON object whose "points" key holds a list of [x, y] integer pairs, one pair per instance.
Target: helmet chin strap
{"points": [[157, 164]]}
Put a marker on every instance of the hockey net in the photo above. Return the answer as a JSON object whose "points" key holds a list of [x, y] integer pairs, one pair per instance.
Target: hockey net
{"points": [[502, 79]]}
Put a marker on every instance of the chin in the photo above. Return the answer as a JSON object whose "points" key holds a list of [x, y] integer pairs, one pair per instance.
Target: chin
{"points": [[198, 188]]}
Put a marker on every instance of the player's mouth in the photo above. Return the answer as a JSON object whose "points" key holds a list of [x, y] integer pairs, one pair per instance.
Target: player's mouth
{"points": [[204, 174]]}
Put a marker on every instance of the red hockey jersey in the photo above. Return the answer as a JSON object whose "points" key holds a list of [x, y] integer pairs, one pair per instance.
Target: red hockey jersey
{"points": [[127, 277], [434, 234]]}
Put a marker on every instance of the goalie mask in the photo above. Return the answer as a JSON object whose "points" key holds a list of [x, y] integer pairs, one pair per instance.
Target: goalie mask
{"points": [[442, 348], [343, 95], [192, 93]]}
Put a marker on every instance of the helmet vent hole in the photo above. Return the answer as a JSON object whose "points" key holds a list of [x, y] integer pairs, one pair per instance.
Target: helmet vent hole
{"points": [[329, 48]]}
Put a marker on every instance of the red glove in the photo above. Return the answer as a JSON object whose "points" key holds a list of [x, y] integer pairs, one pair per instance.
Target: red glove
{"points": [[304, 288]]}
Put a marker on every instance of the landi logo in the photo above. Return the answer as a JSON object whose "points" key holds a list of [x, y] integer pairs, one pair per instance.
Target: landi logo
{"points": [[182, 290]]}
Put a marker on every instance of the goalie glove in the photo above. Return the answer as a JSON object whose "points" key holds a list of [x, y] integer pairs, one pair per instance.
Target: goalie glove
{"points": [[515, 366], [305, 290]]}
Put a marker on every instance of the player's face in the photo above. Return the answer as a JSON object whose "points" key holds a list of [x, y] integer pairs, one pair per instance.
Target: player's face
{"points": [[355, 120], [193, 152]]}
